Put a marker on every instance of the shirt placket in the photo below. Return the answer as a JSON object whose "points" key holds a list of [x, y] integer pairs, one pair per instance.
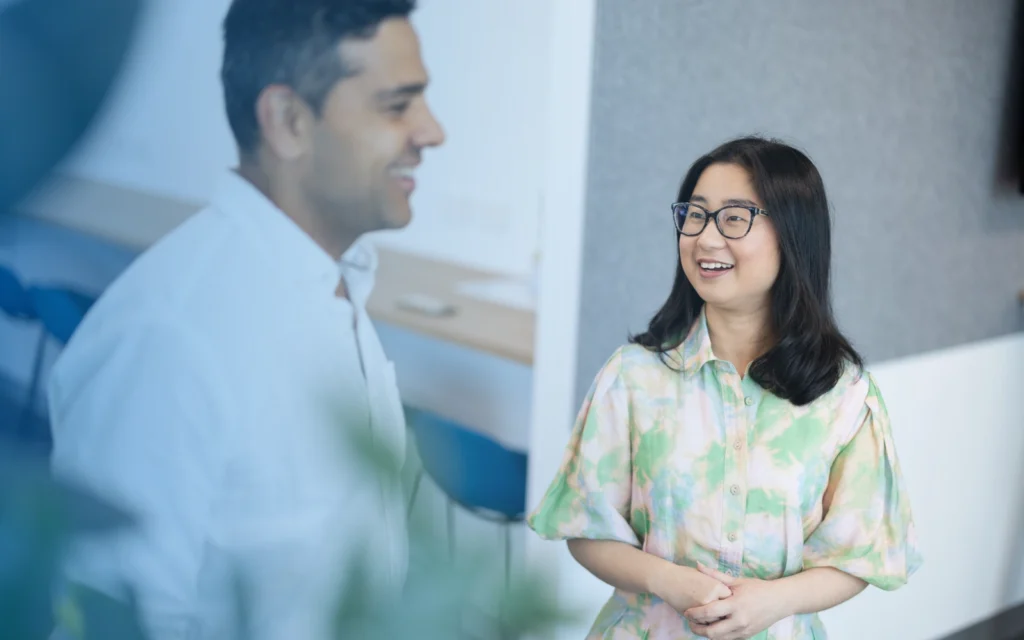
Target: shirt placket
{"points": [[737, 412], [384, 484]]}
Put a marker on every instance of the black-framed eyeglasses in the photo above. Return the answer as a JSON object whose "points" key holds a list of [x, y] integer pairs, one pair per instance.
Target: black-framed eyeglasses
{"points": [[733, 222]]}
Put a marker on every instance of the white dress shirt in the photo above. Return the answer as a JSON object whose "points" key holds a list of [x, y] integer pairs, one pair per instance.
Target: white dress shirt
{"points": [[211, 390]]}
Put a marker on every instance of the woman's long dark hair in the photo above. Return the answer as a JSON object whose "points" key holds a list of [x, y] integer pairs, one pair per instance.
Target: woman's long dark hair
{"points": [[809, 353]]}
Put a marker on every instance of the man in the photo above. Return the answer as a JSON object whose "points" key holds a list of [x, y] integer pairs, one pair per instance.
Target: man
{"points": [[214, 386]]}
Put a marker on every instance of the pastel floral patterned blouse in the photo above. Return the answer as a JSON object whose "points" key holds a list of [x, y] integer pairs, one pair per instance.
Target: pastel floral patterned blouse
{"points": [[703, 465]]}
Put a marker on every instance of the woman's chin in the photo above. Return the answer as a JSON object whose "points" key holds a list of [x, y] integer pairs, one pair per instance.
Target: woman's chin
{"points": [[715, 296]]}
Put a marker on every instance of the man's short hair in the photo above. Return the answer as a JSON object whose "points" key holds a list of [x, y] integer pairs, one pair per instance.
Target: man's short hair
{"points": [[294, 43]]}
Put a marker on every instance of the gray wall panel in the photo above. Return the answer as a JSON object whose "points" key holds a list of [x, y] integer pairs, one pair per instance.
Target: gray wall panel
{"points": [[902, 105]]}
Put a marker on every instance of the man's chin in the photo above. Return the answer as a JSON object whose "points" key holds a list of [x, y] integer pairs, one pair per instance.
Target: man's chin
{"points": [[396, 219]]}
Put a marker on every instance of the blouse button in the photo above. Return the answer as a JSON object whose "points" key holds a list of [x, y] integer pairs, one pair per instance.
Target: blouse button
{"points": [[748, 401], [734, 490], [732, 537]]}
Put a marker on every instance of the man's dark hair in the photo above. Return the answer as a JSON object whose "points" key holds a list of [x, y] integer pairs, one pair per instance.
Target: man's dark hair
{"points": [[294, 43]]}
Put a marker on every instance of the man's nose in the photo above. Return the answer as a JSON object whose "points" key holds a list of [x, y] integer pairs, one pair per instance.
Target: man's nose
{"points": [[430, 133]]}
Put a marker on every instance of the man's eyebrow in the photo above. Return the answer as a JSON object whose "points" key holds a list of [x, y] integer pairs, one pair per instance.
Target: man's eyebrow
{"points": [[404, 91]]}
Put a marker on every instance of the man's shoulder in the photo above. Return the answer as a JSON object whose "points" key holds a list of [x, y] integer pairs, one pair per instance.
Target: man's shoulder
{"points": [[201, 258], [205, 239], [184, 282]]}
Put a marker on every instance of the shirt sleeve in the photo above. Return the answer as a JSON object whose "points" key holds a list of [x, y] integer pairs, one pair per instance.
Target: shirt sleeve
{"points": [[867, 529], [590, 494], [139, 417]]}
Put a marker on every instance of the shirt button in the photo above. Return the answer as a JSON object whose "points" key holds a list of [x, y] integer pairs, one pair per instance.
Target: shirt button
{"points": [[732, 537], [748, 401], [737, 445], [734, 490]]}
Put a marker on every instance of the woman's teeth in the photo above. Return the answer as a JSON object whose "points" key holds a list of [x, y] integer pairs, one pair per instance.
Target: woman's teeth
{"points": [[713, 266]]}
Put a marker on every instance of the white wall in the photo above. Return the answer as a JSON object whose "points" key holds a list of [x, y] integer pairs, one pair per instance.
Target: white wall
{"points": [[163, 128], [554, 373], [959, 429], [479, 196]]}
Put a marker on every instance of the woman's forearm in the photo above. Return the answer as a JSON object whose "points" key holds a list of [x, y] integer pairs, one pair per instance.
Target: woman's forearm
{"points": [[620, 565], [818, 589]]}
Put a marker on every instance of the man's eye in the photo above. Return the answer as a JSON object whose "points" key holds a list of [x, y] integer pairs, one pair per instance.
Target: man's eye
{"points": [[399, 108]]}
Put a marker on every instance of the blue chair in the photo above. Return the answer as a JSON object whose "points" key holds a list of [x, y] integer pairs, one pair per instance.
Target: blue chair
{"points": [[16, 304], [59, 310], [14, 298], [472, 470]]}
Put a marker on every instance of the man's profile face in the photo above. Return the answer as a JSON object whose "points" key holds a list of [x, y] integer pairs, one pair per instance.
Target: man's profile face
{"points": [[372, 130]]}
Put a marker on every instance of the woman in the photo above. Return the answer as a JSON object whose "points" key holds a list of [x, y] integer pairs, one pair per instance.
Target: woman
{"points": [[732, 470]]}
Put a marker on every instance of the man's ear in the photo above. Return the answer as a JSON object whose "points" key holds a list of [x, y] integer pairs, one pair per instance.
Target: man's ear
{"points": [[286, 122]]}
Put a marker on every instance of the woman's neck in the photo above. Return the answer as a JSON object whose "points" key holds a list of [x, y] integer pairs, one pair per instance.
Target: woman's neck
{"points": [[739, 337]]}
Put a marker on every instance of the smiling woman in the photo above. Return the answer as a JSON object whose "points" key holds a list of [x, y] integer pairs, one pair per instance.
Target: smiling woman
{"points": [[733, 470], [737, 265], [771, 248]]}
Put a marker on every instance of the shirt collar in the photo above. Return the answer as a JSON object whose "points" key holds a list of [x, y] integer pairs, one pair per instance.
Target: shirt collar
{"points": [[695, 351], [290, 249], [359, 268]]}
